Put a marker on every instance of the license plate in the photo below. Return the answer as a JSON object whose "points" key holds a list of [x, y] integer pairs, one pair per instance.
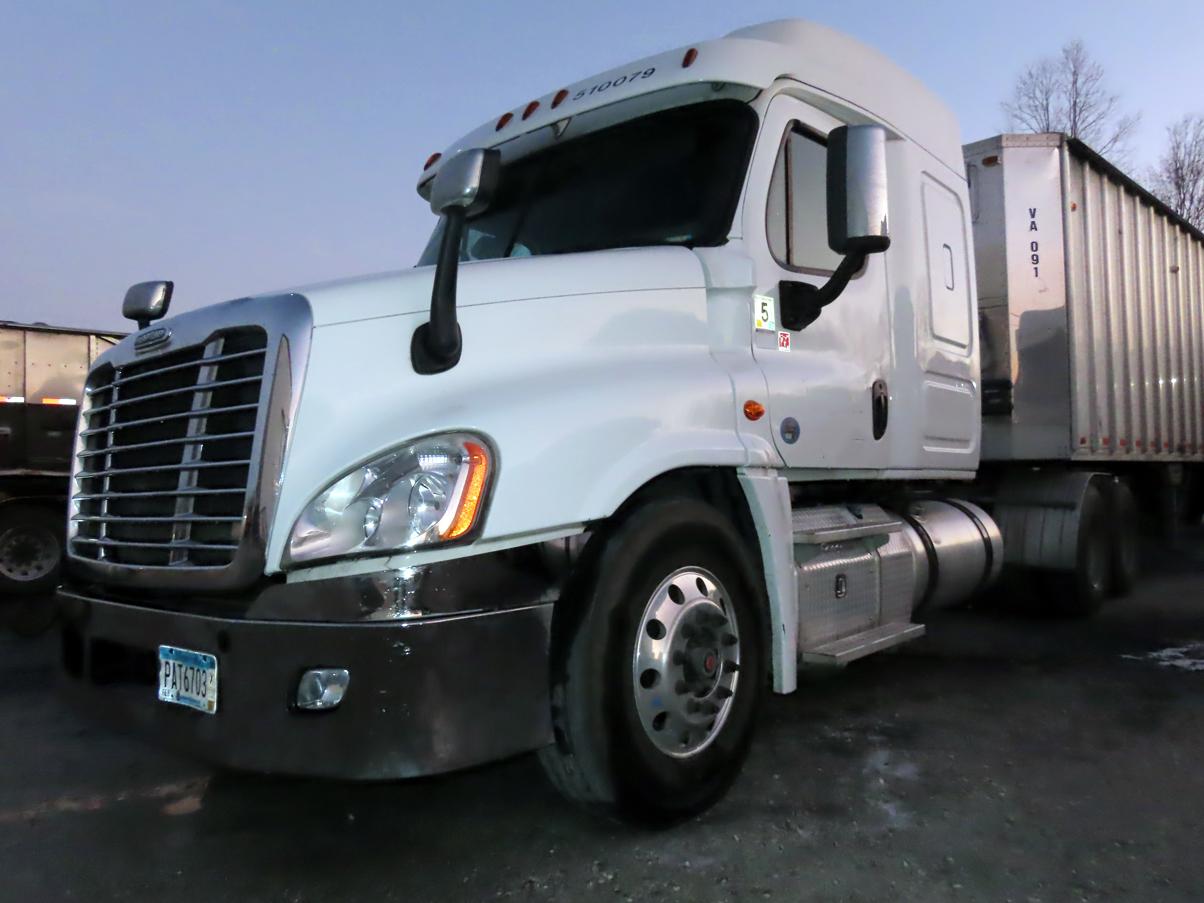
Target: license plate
{"points": [[188, 678]]}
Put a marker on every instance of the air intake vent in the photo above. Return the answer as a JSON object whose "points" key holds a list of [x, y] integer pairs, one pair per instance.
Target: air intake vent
{"points": [[165, 455]]}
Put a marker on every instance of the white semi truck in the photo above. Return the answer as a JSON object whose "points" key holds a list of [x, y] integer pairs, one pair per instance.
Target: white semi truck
{"points": [[688, 391]]}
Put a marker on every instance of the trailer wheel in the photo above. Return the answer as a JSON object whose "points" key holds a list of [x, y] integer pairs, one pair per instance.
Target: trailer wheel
{"points": [[658, 667], [1124, 537], [1082, 592], [31, 550]]}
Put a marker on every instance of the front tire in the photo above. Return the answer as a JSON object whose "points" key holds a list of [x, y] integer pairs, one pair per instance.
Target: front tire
{"points": [[658, 666]]}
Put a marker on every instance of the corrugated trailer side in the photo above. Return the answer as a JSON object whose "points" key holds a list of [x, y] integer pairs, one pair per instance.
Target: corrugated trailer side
{"points": [[1135, 286], [1091, 300], [42, 372]]}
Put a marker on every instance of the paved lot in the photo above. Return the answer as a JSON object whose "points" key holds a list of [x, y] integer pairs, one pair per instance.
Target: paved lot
{"points": [[998, 759]]}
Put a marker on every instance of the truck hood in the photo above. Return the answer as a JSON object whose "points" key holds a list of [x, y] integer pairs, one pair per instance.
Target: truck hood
{"points": [[514, 279], [588, 374]]}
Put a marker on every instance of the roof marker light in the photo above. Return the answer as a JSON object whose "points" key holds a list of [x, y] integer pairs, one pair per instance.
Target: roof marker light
{"points": [[688, 60], [431, 161], [503, 122], [561, 97], [531, 108]]}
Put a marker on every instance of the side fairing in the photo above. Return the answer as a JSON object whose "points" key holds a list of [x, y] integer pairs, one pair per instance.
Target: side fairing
{"points": [[585, 396]]}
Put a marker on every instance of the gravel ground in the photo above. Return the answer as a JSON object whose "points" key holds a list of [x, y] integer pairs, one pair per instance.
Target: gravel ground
{"points": [[997, 759]]}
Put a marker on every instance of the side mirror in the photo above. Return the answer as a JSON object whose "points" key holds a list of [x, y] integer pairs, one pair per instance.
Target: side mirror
{"points": [[857, 195], [467, 182], [147, 301], [465, 186], [857, 227]]}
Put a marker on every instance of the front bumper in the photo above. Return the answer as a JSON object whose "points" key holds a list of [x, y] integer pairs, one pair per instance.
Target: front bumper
{"points": [[427, 694]]}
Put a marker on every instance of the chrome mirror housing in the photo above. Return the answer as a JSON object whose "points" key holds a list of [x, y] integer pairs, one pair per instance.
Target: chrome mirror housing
{"points": [[467, 181], [857, 190], [147, 301]]}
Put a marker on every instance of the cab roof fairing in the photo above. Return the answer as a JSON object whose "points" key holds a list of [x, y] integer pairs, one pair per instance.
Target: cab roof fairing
{"points": [[758, 56]]}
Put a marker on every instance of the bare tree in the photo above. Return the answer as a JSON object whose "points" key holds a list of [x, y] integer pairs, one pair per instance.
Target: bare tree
{"points": [[1068, 93], [1034, 106], [1179, 176]]}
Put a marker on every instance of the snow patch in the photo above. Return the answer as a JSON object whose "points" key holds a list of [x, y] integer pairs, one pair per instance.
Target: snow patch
{"points": [[1186, 658]]}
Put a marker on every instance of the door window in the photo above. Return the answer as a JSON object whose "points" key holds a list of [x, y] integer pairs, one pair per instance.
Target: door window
{"points": [[796, 218]]}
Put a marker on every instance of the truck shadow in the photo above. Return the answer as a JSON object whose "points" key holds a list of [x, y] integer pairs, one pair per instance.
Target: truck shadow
{"points": [[28, 616]]}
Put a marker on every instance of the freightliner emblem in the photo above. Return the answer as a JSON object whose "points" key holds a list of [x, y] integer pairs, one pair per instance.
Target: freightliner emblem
{"points": [[152, 338]]}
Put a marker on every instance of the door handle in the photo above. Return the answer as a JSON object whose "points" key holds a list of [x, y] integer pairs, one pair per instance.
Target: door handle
{"points": [[880, 407]]}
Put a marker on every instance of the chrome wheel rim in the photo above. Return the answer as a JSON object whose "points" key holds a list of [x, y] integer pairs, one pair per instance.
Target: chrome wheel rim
{"points": [[686, 663], [27, 555]]}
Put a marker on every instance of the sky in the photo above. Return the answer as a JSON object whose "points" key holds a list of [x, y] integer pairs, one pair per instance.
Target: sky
{"points": [[237, 148]]}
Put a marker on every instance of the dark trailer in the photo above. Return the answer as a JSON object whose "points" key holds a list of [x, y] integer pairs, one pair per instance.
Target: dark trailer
{"points": [[42, 371]]}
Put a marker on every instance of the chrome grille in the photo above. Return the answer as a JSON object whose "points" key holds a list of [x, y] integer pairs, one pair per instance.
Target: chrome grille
{"points": [[164, 456]]}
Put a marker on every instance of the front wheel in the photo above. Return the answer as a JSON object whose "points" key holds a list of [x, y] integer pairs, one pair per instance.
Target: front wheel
{"points": [[658, 666]]}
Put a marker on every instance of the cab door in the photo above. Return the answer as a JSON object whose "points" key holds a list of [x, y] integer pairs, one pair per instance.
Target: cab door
{"points": [[829, 380]]}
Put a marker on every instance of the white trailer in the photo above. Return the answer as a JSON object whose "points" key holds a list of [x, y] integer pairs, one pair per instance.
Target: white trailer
{"points": [[1091, 301], [684, 395]]}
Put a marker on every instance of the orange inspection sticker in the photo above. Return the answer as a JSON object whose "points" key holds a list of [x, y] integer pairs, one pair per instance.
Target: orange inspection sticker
{"points": [[783, 341]]}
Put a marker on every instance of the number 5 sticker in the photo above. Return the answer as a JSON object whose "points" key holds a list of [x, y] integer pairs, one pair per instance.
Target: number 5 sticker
{"points": [[764, 313]]}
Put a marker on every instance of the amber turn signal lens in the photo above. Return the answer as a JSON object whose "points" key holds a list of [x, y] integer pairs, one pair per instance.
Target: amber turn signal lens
{"points": [[754, 410], [474, 491]]}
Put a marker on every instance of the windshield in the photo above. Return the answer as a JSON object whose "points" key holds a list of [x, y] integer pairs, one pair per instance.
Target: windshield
{"points": [[668, 178]]}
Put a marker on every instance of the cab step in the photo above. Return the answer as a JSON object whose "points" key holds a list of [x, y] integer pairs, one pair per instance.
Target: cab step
{"points": [[839, 523], [850, 648]]}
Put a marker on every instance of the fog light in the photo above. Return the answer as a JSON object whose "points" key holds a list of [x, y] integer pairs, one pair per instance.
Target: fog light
{"points": [[322, 688]]}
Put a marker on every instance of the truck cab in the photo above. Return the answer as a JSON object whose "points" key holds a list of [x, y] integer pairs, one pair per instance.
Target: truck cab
{"points": [[676, 400]]}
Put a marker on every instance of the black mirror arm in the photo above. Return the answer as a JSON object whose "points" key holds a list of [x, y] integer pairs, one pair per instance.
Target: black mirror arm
{"points": [[849, 267], [436, 344], [801, 302]]}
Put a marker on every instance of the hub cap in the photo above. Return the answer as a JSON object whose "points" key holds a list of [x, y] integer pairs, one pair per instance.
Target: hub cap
{"points": [[686, 662], [27, 554]]}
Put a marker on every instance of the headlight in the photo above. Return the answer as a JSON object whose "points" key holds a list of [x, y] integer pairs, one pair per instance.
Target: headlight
{"points": [[425, 492]]}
